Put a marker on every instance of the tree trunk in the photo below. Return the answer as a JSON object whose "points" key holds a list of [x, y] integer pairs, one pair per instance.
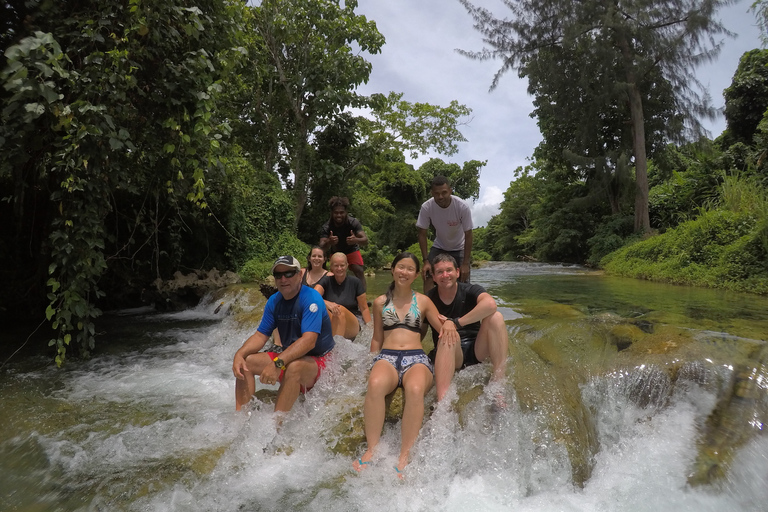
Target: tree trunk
{"points": [[642, 218]]}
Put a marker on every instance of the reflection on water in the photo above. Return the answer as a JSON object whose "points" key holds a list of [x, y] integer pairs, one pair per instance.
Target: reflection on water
{"points": [[149, 423]]}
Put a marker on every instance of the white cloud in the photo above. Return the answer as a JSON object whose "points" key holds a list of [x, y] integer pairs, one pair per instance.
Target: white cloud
{"points": [[487, 205]]}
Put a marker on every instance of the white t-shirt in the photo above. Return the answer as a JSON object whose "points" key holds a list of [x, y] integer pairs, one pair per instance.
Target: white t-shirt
{"points": [[450, 223]]}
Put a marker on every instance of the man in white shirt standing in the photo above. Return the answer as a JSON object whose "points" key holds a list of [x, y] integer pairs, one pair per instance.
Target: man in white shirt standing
{"points": [[452, 219]]}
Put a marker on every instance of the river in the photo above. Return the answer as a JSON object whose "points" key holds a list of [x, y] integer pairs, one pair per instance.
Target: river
{"points": [[149, 423]]}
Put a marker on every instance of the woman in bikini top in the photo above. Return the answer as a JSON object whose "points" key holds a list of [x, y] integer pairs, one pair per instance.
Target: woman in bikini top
{"points": [[411, 321], [315, 269], [397, 321]]}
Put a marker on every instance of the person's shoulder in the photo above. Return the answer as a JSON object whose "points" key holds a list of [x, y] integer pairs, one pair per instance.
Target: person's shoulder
{"points": [[380, 301], [310, 293], [474, 288], [461, 202], [421, 297], [431, 293]]}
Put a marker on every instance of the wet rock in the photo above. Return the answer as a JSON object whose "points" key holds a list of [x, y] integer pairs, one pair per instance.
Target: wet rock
{"points": [[185, 290], [552, 392], [623, 335], [645, 326], [648, 386], [741, 414]]}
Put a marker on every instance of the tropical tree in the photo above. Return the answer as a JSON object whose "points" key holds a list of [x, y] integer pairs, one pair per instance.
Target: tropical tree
{"points": [[108, 120], [306, 64], [465, 180], [746, 99], [631, 40]]}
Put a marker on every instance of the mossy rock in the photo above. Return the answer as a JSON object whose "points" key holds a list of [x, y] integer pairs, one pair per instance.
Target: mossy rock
{"points": [[622, 336], [548, 309]]}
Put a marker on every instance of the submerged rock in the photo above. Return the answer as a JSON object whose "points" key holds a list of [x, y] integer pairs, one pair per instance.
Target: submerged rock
{"points": [[741, 414]]}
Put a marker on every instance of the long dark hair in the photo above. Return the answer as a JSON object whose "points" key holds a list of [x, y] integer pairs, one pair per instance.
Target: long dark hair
{"points": [[397, 259], [309, 260]]}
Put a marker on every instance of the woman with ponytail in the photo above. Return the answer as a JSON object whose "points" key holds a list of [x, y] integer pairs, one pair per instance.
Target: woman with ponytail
{"points": [[397, 320]]}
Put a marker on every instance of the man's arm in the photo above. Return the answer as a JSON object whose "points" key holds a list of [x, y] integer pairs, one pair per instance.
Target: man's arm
{"points": [[484, 308], [251, 346], [423, 246], [377, 339], [467, 254], [300, 347], [327, 238], [360, 238]]}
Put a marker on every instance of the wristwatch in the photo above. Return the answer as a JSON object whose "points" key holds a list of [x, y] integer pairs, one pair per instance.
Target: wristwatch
{"points": [[279, 363], [456, 322]]}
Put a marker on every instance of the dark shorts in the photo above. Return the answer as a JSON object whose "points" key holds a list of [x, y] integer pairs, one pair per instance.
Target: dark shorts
{"points": [[319, 360], [467, 349], [457, 255], [403, 360]]}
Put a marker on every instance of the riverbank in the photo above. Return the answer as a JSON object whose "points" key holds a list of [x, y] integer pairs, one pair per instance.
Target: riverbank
{"points": [[719, 249]]}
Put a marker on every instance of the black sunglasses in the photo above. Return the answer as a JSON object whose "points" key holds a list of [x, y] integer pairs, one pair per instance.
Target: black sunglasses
{"points": [[288, 273]]}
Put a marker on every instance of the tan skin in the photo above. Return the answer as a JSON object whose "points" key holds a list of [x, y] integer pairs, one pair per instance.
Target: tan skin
{"points": [[383, 379], [301, 370], [442, 195], [343, 321], [338, 217], [492, 339], [316, 270]]}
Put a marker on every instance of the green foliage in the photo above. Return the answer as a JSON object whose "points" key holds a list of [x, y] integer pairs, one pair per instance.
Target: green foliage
{"points": [[255, 270], [413, 128], [286, 243], [695, 173], [611, 234], [304, 63], [255, 210], [375, 257], [414, 249], [746, 99], [464, 180], [480, 256], [105, 119], [725, 247], [615, 71]]}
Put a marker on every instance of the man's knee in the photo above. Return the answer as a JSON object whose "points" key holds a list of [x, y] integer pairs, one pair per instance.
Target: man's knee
{"points": [[299, 371], [494, 320]]}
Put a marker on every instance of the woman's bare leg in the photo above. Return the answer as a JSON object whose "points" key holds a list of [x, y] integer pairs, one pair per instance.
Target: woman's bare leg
{"points": [[416, 382], [382, 381]]}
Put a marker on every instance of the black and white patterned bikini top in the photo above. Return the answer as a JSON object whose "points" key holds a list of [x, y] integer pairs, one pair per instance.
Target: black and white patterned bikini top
{"points": [[412, 320]]}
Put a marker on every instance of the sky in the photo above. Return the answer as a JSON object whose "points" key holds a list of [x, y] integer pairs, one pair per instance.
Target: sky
{"points": [[419, 60]]}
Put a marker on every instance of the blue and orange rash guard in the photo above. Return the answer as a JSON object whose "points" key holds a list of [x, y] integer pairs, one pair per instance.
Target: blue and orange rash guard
{"points": [[304, 313]]}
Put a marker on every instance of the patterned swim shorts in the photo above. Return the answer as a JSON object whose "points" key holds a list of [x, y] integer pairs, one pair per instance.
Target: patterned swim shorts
{"points": [[402, 360]]}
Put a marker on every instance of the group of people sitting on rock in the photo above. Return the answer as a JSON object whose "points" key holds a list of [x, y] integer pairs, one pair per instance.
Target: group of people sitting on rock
{"points": [[312, 305]]}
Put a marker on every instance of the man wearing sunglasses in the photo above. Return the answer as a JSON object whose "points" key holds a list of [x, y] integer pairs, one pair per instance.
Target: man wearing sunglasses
{"points": [[298, 313]]}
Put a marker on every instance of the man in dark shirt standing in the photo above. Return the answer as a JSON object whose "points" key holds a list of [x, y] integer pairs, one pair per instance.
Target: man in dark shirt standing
{"points": [[472, 312], [344, 233]]}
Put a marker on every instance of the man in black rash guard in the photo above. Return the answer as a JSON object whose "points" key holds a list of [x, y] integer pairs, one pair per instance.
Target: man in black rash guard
{"points": [[472, 312]]}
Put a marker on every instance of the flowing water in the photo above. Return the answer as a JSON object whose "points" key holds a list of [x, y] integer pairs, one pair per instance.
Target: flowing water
{"points": [[149, 422]]}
